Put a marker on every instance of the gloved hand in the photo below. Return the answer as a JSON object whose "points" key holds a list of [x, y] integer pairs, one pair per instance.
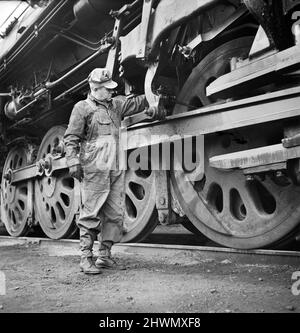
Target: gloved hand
{"points": [[75, 171], [157, 112]]}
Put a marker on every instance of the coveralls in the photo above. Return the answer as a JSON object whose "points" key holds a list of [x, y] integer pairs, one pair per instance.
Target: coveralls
{"points": [[94, 132]]}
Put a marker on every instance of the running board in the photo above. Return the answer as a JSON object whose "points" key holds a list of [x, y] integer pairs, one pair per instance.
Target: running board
{"points": [[262, 70], [260, 159]]}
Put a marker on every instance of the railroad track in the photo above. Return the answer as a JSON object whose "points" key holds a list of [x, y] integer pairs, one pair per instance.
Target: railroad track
{"points": [[199, 253]]}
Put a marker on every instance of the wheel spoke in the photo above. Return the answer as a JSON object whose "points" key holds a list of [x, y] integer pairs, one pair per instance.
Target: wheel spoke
{"points": [[22, 196], [20, 208], [144, 182], [134, 199], [66, 191], [140, 217], [59, 218], [63, 204], [226, 200], [248, 200]]}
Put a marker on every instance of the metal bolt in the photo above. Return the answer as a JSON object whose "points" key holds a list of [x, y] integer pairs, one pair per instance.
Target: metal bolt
{"points": [[110, 40], [162, 217], [7, 176], [114, 13], [40, 165], [162, 200], [186, 51], [36, 30], [249, 178]]}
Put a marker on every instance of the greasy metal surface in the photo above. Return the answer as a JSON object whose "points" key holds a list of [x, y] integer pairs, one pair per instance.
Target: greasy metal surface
{"points": [[54, 164], [32, 171], [168, 15], [211, 119], [144, 35], [265, 168], [22, 174], [292, 141], [262, 69], [113, 52], [255, 157], [269, 14], [163, 204]]}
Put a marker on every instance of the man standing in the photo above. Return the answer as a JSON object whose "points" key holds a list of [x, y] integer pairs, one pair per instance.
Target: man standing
{"points": [[94, 131]]}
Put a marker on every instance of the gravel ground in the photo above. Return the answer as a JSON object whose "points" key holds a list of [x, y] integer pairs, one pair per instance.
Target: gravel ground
{"points": [[41, 281]]}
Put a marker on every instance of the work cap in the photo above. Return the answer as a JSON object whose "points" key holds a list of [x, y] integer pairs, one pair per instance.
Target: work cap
{"points": [[102, 77]]}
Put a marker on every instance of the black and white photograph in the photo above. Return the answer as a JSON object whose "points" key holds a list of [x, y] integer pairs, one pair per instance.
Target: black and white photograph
{"points": [[149, 161]]}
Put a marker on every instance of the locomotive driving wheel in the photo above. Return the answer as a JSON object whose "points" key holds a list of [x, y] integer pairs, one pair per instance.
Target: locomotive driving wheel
{"points": [[57, 198], [16, 200], [140, 212], [223, 205]]}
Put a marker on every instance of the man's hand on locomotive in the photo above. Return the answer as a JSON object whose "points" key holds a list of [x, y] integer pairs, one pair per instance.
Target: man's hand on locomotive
{"points": [[76, 171], [157, 112]]}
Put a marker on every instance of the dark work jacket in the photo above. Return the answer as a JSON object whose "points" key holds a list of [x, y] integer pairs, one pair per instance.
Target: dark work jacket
{"points": [[91, 120]]}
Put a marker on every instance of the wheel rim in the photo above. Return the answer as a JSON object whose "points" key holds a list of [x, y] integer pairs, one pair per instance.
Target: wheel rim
{"points": [[223, 206], [140, 213], [17, 202], [57, 198]]}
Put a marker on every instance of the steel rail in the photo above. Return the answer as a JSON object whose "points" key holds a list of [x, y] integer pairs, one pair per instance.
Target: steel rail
{"points": [[199, 253]]}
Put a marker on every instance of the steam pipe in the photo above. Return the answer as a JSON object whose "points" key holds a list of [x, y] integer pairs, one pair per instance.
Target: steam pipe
{"points": [[50, 85], [102, 50], [72, 89]]}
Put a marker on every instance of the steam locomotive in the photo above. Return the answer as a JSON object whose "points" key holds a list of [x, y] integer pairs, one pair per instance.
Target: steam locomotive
{"points": [[227, 70]]}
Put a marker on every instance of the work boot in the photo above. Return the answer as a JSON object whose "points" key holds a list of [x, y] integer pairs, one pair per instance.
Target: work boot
{"points": [[87, 266], [106, 261]]}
